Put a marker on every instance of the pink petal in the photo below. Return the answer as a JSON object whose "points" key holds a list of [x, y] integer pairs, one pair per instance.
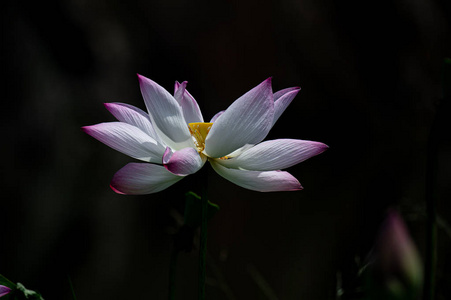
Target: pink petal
{"points": [[183, 162], [127, 139], [247, 121], [4, 290], [282, 92], [142, 178], [282, 99], [190, 108], [166, 114], [268, 181], [275, 155], [134, 116]]}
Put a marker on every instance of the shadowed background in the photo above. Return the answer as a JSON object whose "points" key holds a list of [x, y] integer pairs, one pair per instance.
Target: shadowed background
{"points": [[371, 79]]}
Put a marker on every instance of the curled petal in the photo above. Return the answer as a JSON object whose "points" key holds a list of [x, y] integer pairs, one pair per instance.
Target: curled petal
{"points": [[275, 155], [127, 139], [167, 155], [142, 178], [134, 116], [247, 121], [268, 181], [183, 162], [190, 108], [166, 114], [282, 99]]}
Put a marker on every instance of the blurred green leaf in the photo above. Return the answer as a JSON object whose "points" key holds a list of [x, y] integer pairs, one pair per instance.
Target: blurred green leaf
{"points": [[18, 291], [4, 281], [27, 294]]}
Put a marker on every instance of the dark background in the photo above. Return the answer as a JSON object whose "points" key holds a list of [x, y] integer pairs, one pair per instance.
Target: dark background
{"points": [[370, 74]]}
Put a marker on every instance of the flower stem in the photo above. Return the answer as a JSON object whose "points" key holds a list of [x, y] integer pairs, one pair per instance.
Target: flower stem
{"points": [[437, 133], [172, 272], [203, 240]]}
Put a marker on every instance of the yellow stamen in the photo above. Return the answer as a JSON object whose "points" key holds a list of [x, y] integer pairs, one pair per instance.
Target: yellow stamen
{"points": [[199, 131]]}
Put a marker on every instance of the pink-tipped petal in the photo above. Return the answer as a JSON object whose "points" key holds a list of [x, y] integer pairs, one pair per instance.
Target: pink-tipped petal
{"points": [[215, 117], [282, 99], [183, 162], [282, 92], [247, 121], [134, 116], [166, 114], [267, 181], [4, 290], [190, 108], [275, 155], [141, 179], [176, 86], [127, 139]]}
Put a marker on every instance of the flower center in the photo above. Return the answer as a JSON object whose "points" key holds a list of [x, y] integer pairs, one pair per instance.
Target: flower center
{"points": [[199, 132]]}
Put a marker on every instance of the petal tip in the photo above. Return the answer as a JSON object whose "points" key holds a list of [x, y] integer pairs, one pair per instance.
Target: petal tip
{"points": [[141, 78], [322, 147], [108, 106], [318, 148], [116, 190], [86, 129], [293, 93], [295, 90]]}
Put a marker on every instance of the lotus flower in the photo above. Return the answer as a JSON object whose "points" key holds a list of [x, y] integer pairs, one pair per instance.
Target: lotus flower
{"points": [[174, 141]]}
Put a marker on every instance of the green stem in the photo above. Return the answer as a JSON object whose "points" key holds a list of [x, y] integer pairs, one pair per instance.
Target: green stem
{"points": [[172, 272], [431, 237], [203, 242], [431, 213], [71, 288], [437, 132]]}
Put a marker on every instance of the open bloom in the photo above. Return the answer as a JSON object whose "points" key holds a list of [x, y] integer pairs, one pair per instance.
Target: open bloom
{"points": [[174, 141]]}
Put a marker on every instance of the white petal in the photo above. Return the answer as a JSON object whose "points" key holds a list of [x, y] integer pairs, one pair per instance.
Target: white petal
{"points": [[183, 162], [127, 139], [190, 108], [247, 121], [238, 151], [282, 99], [134, 116], [268, 181], [166, 114], [275, 155], [141, 178]]}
